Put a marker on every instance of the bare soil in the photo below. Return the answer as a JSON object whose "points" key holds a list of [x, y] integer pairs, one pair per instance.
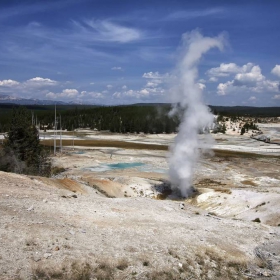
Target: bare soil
{"points": [[85, 224]]}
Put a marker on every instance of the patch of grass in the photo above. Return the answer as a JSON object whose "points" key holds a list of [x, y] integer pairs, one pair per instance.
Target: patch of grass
{"points": [[168, 274], [223, 190], [122, 264], [102, 191], [104, 271], [146, 263], [57, 169], [76, 271], [249, 183], [257, 220], [212, 213]]}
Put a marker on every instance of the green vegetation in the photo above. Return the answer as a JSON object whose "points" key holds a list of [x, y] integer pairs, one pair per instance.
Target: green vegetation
{"points": [[121, 119], [22, 152], [147, 118], [248, 126]]}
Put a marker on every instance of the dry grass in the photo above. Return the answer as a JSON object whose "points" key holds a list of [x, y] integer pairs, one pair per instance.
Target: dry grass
{"points": [[57, 169], [223, 190], [101, 269], [249, 183], [205, 263], [74, 271]]}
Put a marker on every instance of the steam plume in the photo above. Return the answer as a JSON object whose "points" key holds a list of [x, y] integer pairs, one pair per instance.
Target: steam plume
{"points": [[188, 94]]}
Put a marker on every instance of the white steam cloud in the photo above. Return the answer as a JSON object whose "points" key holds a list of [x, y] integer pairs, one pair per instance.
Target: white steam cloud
{"points": [[188, 95]]}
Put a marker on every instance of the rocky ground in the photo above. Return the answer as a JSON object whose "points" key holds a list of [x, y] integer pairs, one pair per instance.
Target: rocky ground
{"points": [[95, 222]]}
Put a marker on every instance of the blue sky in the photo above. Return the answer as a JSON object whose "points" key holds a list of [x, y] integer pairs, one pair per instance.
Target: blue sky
{"points": [[119, 52]]}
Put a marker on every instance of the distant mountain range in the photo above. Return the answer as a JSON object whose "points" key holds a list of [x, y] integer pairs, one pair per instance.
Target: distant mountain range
{"points": [[24, 101]]}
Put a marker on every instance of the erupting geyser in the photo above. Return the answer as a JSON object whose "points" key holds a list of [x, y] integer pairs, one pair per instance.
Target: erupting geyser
{"points": [[196, 117]]}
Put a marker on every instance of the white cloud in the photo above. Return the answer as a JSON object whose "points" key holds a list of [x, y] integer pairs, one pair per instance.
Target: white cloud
{"points": [[8, 83], [155, 79], [96, 94], [224, 70], [69, 93], [252, 98], [116, 68], [139, 94], [213, 79], [66, 93], [109, 86], [108, 31], [40, 82], [201, 86], [92, 83], [249, 79], [223, 88], [124, 87], [51, 95], [277, 96], [183, 15], [144, 91], [154, 75], [91, 94], [117, 94], [276, 70]]}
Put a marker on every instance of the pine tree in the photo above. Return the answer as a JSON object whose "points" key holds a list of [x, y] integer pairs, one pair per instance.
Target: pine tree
{"points": [[23, 146]]}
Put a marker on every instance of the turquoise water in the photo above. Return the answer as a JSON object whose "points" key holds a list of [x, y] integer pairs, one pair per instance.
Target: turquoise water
{"points": [[115, 166], [126, 165], [78, 153]]}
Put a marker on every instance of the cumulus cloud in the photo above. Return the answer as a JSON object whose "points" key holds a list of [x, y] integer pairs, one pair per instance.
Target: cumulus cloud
{"points": [[213, 79], [92, 94], [223, 88], [155, 79], [151, 90], [155, 75], [224, 70], [109, 86], [51, 95], [8, 83], [40, 82], [252, 98], [201, 86], [69, 93], [277, 96], [151, 75], [249, 79], [139, 94], [276, 70], [116, 68], [66, 93]]}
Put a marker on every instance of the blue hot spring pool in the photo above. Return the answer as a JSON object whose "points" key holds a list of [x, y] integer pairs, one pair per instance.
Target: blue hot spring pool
{"points": [[125, 165]]}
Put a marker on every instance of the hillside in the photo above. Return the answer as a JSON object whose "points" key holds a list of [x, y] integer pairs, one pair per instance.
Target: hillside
{"points": [[47, 230]]}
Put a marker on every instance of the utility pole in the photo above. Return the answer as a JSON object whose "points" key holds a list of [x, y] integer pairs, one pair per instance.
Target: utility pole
{"points": [[73, 137], [54, 137], [60, 135]]}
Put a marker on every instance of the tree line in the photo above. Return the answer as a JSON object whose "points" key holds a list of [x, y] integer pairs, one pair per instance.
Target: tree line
{"points": [[121, 119]]}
